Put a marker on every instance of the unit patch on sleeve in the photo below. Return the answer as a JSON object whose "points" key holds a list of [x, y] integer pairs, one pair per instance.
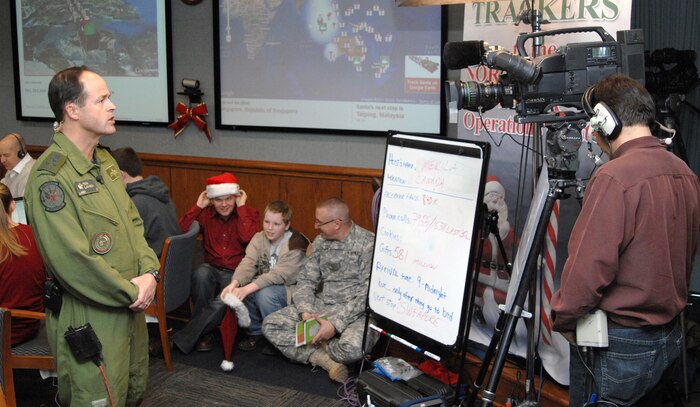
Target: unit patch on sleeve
{"points": [[52, 196]]}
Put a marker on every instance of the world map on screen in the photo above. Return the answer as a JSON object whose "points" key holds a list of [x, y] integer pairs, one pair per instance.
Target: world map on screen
{"points": [[313, 49]]}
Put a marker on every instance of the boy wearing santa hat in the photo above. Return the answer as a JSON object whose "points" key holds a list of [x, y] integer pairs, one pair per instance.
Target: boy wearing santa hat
{"points": [[227, 224]]}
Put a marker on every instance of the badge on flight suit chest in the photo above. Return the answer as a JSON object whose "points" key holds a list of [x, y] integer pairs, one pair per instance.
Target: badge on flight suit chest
{"points": [[85, 187], [113, 173], [101, 243]]}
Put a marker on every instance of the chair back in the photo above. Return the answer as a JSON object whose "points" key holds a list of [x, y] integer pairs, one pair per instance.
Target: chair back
{"points": [[32, 354], [174, 287], [176, 267]]}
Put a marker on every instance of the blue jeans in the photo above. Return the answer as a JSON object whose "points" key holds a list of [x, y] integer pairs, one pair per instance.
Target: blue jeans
{"points": [[629, 367], [263, 303]]}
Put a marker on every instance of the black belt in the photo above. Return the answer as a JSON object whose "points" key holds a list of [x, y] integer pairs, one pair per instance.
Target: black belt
{"points": [[614, 325]]}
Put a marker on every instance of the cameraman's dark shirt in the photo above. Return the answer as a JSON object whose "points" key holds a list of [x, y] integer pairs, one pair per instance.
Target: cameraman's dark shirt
{"points": [[632, 248]]}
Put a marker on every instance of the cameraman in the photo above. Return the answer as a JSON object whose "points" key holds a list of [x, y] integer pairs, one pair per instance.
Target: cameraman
{"points": [[631, 251]]}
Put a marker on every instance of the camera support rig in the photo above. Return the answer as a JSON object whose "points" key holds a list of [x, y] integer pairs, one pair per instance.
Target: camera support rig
{"points": [[563, 143], [507, 323]]}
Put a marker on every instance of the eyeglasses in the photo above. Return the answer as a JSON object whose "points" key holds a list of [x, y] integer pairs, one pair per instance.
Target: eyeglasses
{"points": [[318, 223]]}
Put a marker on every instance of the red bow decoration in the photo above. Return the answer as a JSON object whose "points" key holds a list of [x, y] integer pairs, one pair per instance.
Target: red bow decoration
{"points": [[197, 114]]}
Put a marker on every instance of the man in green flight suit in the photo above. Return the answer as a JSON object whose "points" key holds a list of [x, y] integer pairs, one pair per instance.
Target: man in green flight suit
{"points": [[92, 240]]}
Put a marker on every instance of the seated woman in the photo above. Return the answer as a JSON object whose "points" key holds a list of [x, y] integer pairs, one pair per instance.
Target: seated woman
{"points": [[22, 273], [264, 278]]}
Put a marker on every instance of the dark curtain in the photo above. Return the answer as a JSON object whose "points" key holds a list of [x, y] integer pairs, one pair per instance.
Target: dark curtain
{"points": [[675, 24]]}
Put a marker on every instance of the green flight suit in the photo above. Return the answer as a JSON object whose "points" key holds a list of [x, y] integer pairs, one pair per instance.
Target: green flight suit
{"points": [[92, 239]]}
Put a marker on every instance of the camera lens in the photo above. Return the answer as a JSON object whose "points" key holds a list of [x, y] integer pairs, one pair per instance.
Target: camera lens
{"points": [[473, 95]]}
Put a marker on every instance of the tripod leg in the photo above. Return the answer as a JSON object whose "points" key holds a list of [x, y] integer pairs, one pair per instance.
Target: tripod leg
{"points": [[489, 226], [521, 295], [479, 381], [484, 233]]}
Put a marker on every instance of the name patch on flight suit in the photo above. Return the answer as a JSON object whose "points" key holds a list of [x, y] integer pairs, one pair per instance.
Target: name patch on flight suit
{"points": [[52, 196], [101, 243], [86, 187]]}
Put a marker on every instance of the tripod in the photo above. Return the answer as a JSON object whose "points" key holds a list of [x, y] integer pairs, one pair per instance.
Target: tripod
{"points": [[489, 226], [505, 328]]}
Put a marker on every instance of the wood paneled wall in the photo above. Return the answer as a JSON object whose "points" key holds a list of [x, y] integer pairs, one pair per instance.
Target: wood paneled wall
{"points": [[301, 186]]}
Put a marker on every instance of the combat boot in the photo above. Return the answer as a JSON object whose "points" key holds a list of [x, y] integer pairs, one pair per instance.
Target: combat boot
{"points": [[337, 372]]}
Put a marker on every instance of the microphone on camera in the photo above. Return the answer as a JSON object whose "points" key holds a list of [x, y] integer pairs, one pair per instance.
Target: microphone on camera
{"points": [[461, 54]]}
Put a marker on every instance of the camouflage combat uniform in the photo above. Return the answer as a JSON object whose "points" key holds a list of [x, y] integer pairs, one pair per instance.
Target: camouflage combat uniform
{"points": [[334, 280], [92, 240]]}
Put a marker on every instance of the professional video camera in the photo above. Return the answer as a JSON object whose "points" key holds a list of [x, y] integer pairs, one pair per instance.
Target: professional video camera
{"points": [[534, 87]]}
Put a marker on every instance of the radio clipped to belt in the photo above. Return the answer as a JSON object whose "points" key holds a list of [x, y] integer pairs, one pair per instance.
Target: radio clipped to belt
{"points": [[53, 296]]}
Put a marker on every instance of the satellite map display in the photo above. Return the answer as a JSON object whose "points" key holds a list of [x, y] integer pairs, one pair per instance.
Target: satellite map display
{"points": [[122, 40], [114, 37], [328, 50]]}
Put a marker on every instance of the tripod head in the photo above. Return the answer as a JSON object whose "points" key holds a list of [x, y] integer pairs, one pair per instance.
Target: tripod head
{"points": [[563, 142]]}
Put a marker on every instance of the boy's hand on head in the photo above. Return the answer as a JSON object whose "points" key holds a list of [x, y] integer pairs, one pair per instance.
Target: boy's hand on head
{"points": [[241, 198], [203, 200]]}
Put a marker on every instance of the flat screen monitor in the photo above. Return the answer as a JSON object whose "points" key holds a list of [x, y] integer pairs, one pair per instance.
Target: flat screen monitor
{"points": [[347, 66], [127, 42]]}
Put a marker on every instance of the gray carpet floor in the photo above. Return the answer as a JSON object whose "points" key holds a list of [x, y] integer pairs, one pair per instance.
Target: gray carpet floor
{"points": [[191, 386], [188, 385]]}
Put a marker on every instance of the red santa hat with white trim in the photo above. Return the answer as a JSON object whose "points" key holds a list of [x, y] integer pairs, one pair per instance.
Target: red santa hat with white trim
{"points": [[493, 184], [222, 185]]}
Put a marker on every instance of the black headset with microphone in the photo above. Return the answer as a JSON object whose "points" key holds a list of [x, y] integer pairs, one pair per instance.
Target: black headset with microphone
{"points": [[22, 149], [604, 121], [668, 140]]}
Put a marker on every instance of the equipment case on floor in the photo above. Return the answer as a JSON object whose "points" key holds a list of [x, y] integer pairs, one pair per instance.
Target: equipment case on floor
{"points": [[383, 392], [430, 386]]}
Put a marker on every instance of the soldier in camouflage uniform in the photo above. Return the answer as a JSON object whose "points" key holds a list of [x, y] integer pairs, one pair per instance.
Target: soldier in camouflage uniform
{"points": [[92, 240], [333, 283]]}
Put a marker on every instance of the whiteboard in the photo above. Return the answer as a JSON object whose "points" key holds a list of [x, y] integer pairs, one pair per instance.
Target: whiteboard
{"points": [[432, 189]]}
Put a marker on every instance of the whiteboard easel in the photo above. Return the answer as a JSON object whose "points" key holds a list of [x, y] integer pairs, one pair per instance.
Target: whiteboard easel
{"points": [[432, 190]]}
